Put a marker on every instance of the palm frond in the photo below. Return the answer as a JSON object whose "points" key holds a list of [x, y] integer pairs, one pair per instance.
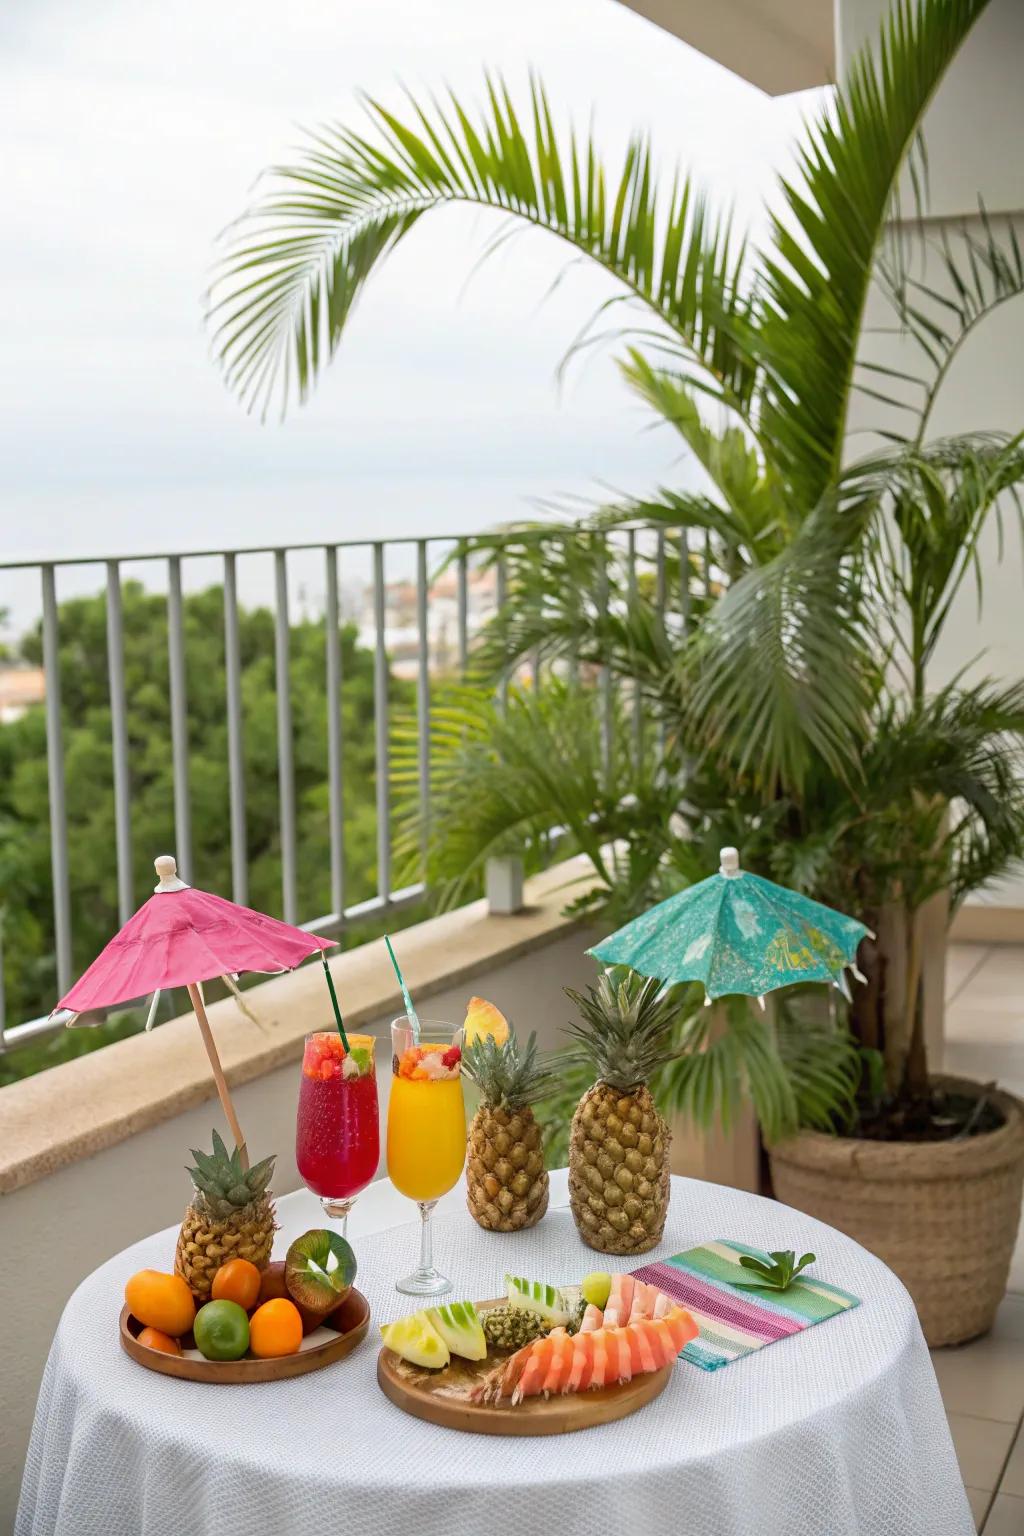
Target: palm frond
{"points": [[782, 672], [817, 279], [756, 522], [972, 272], [298, 259]]}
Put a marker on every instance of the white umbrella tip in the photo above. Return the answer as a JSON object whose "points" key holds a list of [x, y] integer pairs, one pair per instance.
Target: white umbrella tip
{"points": [[729, 862], [166, 867]]}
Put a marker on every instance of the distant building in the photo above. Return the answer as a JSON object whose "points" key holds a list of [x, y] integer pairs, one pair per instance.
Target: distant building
{"points": [[401, 632], [20, 688]]}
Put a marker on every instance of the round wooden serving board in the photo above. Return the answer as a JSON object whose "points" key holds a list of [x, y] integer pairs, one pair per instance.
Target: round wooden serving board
{"points": [[337, 1337], [439, 1397]]}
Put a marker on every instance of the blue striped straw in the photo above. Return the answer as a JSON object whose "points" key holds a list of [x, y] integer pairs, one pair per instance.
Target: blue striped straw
{"points": [[409, 1009]]}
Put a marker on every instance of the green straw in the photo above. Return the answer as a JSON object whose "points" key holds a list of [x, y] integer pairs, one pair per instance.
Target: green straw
{"points": [[334, 1003], [410, 1010]]}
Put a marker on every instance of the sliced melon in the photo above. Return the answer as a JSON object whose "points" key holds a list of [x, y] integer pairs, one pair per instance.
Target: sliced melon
{"points": [[544, 1301], [415, 1339], [460, 1328]]}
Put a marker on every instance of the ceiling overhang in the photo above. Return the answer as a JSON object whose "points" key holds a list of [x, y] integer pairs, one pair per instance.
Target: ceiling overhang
{"points": [[779, 45]]}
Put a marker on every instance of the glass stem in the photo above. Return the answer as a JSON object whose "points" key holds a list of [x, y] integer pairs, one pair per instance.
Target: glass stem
{"points": [[426, 1236]]}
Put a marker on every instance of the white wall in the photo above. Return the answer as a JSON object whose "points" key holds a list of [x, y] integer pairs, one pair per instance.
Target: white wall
{"points": [[974, 133], [58, 1229]]}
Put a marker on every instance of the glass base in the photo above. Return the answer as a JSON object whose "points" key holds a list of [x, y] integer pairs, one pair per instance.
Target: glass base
{"points": [[337, 1210], [424, 1282]]}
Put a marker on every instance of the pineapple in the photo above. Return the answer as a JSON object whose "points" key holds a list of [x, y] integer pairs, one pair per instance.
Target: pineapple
{"points": [[506, 1181], [618, 1145], [512, 1327], [231, 1217]]}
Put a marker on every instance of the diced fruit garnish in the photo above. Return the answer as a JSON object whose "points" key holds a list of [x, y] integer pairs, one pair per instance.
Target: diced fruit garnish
{"points": [[461, 1329], [596, 1288], [428, 1063], [415, 1339], [319, 1270], [482, 1018], [544, 1301], [325, 1056]]}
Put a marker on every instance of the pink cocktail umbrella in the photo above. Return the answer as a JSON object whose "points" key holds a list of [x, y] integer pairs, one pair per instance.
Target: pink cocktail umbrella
{"points": [[181, 937]]}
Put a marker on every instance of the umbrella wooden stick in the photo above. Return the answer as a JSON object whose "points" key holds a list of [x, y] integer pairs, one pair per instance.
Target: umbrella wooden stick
{"points": [[218, 1071]]}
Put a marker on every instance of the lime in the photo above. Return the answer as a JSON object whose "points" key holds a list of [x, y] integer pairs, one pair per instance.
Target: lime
{"points": [[221, 1330], [596, 1288]]}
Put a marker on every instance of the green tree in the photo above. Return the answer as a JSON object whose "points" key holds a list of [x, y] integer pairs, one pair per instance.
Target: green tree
{"points": [[30, 979]]}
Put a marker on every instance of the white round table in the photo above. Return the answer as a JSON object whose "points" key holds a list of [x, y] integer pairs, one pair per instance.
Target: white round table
{"points": [[836, 1431]]}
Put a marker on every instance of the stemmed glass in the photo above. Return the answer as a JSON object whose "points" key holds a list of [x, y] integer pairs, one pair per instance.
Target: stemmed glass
{"points": [[426, 1130], [337, 1131]]}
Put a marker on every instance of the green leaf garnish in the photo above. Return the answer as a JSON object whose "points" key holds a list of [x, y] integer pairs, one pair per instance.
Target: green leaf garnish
{"points": [[779, 1274]]}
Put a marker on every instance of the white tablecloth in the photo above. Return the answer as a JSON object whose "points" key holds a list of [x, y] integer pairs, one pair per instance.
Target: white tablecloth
{"points": [[834, 1432]]}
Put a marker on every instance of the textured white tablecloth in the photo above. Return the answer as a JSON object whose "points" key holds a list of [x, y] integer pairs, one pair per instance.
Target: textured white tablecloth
{"points": [[837, 1431]]}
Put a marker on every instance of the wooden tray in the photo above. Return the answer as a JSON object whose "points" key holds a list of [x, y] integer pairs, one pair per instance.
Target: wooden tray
{"points": [[436, 1397], [342, 1332]]}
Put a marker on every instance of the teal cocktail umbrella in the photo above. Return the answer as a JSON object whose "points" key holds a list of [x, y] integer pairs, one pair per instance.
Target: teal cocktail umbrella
{"points": [[738, 933]]}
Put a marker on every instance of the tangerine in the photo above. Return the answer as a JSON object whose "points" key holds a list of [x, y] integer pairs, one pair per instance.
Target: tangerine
{"points": [[154, 1339], [237, 1280], [161, 1301], [275, 1329]]}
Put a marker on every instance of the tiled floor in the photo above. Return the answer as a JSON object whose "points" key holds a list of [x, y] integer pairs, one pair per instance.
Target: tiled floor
{"points": [[983, 1383]]}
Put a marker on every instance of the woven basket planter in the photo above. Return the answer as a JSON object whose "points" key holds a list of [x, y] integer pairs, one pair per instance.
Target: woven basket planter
{"points": [[943, 1215]]}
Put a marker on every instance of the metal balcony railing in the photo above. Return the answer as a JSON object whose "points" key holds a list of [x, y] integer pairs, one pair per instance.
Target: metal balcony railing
{"points": [[640, 546]]}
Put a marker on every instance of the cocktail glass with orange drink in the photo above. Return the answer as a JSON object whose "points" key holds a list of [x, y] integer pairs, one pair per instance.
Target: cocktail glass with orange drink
{"points": [[337, 1132], [426, 1130]]}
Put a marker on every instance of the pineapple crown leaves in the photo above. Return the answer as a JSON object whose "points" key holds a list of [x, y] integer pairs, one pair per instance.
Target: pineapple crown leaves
{"points": [[222, 1181], [509, 1076], [627, 1028]]}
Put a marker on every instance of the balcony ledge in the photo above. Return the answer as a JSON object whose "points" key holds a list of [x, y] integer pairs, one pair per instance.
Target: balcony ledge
{"points": [[81, 1107]]}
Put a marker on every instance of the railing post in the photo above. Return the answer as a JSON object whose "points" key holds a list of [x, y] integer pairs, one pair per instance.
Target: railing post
{"points": [[236, 762], [380, 706], [179, 719], [423, 697], [285, 750], [55, 782], [119, 743], [335, 769]]}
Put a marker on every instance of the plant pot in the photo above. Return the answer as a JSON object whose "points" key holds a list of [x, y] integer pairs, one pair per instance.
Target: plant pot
{"points": [[943, 1214]]}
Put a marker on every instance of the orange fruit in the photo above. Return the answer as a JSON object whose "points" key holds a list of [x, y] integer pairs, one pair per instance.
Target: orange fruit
{"points": [[161, 1301], [275, 1329], [237, 1280], [154, 1339]]}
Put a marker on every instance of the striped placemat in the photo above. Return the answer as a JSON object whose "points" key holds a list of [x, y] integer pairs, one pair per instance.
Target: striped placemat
{"points": [[734, 1321]]}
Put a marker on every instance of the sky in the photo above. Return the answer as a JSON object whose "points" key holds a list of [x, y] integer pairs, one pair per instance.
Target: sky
{"points": [[133, 133]]}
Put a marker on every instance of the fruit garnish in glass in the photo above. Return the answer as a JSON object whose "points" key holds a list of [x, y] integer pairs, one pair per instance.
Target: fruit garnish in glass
{"points": [[337, 1129], [426, 1130]]}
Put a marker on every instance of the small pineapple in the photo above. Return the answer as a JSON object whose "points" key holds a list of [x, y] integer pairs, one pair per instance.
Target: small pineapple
{"points": [[506, 1181], [512, 1327], [231, 1217], [618, 1145]]}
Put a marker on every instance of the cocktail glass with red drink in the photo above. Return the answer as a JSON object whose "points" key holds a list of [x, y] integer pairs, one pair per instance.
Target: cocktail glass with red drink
{"points": [[337, 1132]]}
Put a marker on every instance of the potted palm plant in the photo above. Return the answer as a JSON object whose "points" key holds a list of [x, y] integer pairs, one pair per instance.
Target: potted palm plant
{"points": [[774, 655]]}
